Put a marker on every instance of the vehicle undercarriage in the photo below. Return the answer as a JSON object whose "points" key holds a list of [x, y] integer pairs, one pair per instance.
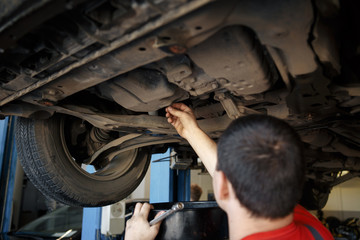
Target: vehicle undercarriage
{"points": [[90, 81]]}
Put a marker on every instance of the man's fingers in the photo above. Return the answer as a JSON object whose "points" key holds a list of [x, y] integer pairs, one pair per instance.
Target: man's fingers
{"points": [[137, 208], [180, 106], [173, 111], [157, 225], [159, 213], [145, 209]]}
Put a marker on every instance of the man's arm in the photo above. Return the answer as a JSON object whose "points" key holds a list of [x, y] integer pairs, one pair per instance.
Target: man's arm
{"points": [[184, 121]]}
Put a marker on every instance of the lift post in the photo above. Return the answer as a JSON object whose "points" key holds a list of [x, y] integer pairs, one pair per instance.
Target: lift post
{"points": [[8, 160], [166, 185]]}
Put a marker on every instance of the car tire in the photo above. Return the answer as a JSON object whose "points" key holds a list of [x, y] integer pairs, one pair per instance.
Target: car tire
{"points": [[47, 163]]}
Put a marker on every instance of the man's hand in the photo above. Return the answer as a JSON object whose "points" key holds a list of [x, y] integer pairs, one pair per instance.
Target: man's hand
{"points": [[138, 227], [184, 121], [182, 118]]}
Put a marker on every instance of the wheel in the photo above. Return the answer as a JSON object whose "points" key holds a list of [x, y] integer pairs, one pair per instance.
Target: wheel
{"points": [[53, 152]]}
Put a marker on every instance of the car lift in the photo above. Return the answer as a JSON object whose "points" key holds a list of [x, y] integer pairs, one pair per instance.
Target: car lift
{"points": [[8, 164], [166, 185]]}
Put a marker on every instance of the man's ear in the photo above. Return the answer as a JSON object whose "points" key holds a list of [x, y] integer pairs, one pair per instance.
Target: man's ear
{"points": [[222, 186]]}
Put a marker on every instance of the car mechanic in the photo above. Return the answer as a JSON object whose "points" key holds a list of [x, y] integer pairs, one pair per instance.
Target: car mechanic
{"points": [[258, 172]]}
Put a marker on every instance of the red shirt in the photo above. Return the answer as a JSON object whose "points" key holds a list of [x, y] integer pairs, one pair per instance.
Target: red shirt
{"points": [[297, 229]]}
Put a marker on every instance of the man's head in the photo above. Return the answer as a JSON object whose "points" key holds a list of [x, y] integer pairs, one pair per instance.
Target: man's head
{"points": [[195, 192], [261, 156]]}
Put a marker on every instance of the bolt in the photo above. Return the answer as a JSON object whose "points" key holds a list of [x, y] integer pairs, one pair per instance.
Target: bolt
{"points": [[27, 71], [223, 81], [192, 80], [309, 117], [177, 49], [93, 67], [46, 102], [220, 96], [241, 64], [51, 92], [193, 93], [188, 87]]}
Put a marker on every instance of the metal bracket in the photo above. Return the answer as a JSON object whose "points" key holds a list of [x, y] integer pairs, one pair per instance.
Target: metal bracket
{"points": [[129, 142], [233, 111], [180, 163]]}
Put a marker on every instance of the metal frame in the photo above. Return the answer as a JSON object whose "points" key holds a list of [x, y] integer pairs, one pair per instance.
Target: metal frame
{"points": [[161, 179], [91, 223], [167, 185], [8, 161]]}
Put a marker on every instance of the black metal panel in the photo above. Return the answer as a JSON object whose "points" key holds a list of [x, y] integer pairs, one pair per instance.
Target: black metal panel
{"points": [[198, 220]]}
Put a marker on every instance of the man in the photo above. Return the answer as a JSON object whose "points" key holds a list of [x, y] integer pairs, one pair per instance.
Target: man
{"points": [[257, 178], [195, 192]]}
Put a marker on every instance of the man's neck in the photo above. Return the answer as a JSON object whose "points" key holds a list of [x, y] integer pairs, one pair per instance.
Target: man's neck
{"points": [[242, 224]]}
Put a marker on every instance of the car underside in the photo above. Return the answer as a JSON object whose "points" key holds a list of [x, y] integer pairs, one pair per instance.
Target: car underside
{"points": [[89, 81]]}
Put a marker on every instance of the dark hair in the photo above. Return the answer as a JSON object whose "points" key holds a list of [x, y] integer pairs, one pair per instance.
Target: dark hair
{"points": [[195, 192], [262, 158]]}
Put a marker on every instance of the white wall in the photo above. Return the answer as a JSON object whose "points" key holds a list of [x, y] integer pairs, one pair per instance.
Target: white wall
{"points": [[344, 200], [142, 192], [204, 181]]}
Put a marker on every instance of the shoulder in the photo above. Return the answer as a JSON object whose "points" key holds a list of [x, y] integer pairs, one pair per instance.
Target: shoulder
{"points": [[302, 227], [305, 218]]}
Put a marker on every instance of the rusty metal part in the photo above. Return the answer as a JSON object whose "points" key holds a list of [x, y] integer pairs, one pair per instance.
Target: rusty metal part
{"points": [[352, 90], [150, 26], [281, 66], [281, 31], [238, 62], [127, 143], [142, 90], [317, 137], [280, 110], [325, 44], [99, 135], [344, 178], [27, 110], [111, 144], [139, 123], [209, 111], [15, 13], [232, 109]]}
